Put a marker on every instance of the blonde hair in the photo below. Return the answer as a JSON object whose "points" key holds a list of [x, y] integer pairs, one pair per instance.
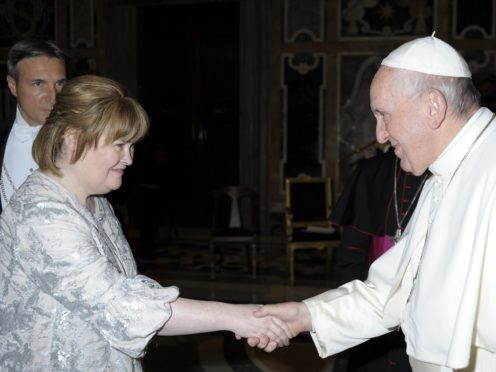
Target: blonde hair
{"points": [[93, 107]]}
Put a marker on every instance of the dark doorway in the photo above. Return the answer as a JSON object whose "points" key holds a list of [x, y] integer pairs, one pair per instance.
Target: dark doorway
{"points": [[188, 82]]}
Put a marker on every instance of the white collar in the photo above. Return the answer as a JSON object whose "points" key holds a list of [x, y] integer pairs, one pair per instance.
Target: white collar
{"points": [[22, 130], [448, 161]]}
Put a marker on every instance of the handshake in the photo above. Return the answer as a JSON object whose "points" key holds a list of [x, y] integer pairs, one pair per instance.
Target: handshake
{"points": [[270, 326]]}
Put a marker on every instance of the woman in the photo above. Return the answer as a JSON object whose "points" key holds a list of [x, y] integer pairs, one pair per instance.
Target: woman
{"points": [[71, 299]]}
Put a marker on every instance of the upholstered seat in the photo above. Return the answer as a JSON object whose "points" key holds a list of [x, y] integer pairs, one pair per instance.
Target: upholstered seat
{"points": [[308, 205]]}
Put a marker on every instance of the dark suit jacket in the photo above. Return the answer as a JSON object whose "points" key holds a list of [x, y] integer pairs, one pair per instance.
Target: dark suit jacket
{"points": [[4, 136]]}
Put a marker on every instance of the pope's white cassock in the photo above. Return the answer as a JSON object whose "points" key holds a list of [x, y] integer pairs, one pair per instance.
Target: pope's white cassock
{"points": [[449, 246]]}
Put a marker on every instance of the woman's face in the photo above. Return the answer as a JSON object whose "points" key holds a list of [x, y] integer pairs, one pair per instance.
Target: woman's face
{"points": [[101, 168]]}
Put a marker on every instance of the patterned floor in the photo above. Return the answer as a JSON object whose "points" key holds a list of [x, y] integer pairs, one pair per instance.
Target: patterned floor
{"points": [[311, 266], [187, 265]]}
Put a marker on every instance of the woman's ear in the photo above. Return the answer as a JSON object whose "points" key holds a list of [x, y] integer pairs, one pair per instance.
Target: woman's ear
{"points": [[70, 140], [436, 108]]}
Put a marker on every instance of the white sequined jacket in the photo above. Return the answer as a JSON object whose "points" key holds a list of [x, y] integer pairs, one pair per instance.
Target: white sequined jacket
{"points": [[70, 295]]}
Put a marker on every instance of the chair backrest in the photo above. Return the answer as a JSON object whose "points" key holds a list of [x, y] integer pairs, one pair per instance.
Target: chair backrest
{"points": [[235, 207], [308, 201]]}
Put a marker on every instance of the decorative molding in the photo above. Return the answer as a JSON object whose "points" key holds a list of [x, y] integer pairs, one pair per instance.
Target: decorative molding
{"points": [[303, 62], [83, 66], [480, 61], [303, 91], [304, 21], [483, 66], [469, 22], [20, 19], [385, 19], [82, 24], [355, 122]]}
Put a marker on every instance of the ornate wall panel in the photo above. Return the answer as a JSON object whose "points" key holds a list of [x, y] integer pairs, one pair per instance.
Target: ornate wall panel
{"points": [[473, 19], [481, 62], [483, 66], [83, 16], [72, 24], [21, 18], [82, 24], [356, 124], [385, 18], [18, 20], [304, 20], [83, 66], [303, 89]]}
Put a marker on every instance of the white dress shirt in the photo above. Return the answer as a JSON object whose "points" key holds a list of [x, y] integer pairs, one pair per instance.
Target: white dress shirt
{"points": [[18, 159]]}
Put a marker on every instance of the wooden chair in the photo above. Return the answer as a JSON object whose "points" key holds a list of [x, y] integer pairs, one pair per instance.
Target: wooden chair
{"points": [[308, 206], [234, 222]]}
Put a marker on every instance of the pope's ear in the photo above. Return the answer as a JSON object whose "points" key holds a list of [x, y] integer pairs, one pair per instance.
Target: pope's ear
{"points": [[437, 108]]}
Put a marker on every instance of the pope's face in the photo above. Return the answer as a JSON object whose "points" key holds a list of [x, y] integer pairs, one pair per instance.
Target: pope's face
{"points": [[100, 169], [39, 80], [399, 122]]}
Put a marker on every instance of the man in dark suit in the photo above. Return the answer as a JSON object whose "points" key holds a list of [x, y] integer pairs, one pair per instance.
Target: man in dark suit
{"points": [[36, 72]]}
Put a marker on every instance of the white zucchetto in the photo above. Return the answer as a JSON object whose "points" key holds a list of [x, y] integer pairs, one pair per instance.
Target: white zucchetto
{"points": [[429, 55]]}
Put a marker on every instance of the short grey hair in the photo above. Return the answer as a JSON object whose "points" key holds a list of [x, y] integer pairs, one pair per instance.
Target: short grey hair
{"points": [[460, 93]]}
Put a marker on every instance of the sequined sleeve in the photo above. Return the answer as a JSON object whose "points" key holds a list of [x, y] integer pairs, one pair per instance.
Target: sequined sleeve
{"points": [[75, 264]]}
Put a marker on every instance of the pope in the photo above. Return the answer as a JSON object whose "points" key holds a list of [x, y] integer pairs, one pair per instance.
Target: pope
{"points": [[438, 282]]}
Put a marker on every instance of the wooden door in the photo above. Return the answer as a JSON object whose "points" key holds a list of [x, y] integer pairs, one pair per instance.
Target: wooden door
{"points": [[188, 58]]}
